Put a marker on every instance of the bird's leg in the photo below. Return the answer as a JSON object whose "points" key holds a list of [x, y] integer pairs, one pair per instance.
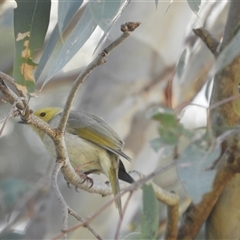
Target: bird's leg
{"points": [[84, 176]]}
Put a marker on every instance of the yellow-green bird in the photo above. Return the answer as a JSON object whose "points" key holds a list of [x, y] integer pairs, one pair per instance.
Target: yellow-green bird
{"points": [[92, 145]]}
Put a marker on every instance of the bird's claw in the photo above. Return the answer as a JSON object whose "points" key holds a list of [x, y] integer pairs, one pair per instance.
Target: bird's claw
{"points": [[86, 178]]}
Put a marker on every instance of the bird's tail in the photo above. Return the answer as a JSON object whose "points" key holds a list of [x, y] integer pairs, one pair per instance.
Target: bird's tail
{"points": [[113, 178]]}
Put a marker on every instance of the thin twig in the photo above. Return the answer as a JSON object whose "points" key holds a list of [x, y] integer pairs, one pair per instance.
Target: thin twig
{"points": [[8, 79], [131, 188], [224, 101], [10, 96], [16, 86], [56, 170], [80, 219], [120, 220]]}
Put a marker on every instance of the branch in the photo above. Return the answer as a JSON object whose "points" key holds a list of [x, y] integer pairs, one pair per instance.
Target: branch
{"points": [[62, 158], [208, 39], [74, 214], [69, 173], [197, 214], [9, 95], [99, 60], [172, 221], [167, 198]]}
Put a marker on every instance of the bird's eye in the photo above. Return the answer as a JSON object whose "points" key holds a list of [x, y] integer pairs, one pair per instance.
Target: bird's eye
{"points": [[42, 114]]}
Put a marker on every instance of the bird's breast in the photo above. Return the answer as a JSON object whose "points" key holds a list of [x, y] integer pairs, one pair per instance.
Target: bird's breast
{"points": [[83, 155]]}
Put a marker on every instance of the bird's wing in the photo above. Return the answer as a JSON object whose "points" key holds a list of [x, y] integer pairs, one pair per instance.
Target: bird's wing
{"points": [[97, 131]]}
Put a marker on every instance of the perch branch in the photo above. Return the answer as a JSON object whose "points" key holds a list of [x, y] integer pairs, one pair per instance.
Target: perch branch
{"points": [[99, 60], [161, 195]]}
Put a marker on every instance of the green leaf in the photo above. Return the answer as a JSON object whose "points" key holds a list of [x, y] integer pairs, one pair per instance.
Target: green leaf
{"points": [[170, 128], [150, 217], [194, 168], [169, 135], [156, 144], [31, 20], [66, 11], [194, 5], [106, 12], [165, 116], [181, 63], [79, 35]]}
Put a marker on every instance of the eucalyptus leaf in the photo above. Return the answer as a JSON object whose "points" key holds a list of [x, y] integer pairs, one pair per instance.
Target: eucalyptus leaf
{"points": [[156, 144], [31, 19], [194, 5], [150, 217], [165, 116], [79, 35], [66, 11], [195, 168], [181, 63], [169, 135], [106, 12]]}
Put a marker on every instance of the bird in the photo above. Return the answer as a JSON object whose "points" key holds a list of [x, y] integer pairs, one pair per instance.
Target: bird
{"points": [[92, 146]]}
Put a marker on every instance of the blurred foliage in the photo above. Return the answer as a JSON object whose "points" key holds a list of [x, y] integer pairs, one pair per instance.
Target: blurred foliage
{"points": [[170, 129], [194, 5], [150, 216], [138, 76]]}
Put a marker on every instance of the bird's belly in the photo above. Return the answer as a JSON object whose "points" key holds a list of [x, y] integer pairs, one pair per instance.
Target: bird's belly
{"points": [[83, 155]]}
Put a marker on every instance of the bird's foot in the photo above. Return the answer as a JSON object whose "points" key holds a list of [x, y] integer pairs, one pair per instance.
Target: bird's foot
{"points": [[85, 178]]}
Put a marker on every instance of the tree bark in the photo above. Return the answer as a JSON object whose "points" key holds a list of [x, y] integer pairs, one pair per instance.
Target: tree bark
{"points": [[224, 220]]}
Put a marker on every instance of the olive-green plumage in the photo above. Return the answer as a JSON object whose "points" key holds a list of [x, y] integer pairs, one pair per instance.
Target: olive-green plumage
{"points": [[93, 147]]}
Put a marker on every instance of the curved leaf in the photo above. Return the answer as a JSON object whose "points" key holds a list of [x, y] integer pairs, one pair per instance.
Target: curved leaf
{"points": [[194, 5], [105, 12], [31, 20], [66, 11], [79, 35], [194, 169], [181, 63], [150, 215]]}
